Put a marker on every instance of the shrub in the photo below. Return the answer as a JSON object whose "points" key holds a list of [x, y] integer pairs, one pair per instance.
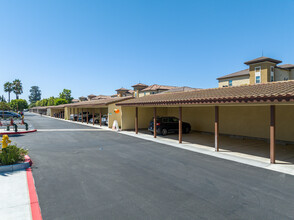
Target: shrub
{"points": [[12, 154]]}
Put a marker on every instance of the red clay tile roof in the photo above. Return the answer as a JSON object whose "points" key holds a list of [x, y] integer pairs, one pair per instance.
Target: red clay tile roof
{"points": [[59, 106], [156, 87], [180, 89], [239, 73], [100, 102], [101, 97], [262, 59], [122, 89], [140, 85], [286, 66], [258, 93]]}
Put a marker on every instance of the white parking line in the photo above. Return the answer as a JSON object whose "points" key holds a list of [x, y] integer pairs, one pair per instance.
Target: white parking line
{"points": [[47, 130]]}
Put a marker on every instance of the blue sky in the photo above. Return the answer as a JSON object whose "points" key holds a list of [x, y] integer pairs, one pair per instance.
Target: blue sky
{"points": [[99, 46]]}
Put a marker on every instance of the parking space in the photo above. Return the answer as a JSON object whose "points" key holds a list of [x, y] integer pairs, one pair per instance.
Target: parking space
{"points": [[244, 130]]}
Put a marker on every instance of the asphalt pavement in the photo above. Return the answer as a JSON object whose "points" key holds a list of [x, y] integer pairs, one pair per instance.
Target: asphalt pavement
{"points": [[101, 174]]}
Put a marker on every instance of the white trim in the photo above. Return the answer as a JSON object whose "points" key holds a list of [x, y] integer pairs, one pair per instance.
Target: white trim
{"points": [[272, 73], [257, 74]]}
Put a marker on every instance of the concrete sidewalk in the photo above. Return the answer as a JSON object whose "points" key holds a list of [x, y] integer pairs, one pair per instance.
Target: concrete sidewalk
{"points": [[14, 196]]}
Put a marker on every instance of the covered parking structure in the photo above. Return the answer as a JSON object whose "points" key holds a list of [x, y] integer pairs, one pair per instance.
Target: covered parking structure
{"points": [[57, 111], [41, 110], [261, 111], [98, 108]]}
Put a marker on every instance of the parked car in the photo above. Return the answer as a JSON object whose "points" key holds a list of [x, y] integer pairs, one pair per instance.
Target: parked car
{"points": [[84, 116], [7, 114], [104, 120], [73, 117], [165, 125], [96, 119]]}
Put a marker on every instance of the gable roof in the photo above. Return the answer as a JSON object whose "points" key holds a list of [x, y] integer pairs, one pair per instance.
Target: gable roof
{"points": [[156, 87], [259, 93], [262, 59], [239, 73]]}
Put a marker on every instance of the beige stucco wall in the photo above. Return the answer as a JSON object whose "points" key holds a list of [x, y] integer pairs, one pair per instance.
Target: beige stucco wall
{"points": [[141, 94], [281, 75], [251, 121], [236, 81], [145, 115], [66, 113], [291, 75], [114, 116], [265, 72]]}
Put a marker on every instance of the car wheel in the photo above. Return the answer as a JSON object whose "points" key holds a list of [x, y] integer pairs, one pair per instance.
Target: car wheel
{"points": [[164, 131], [187, 130]]}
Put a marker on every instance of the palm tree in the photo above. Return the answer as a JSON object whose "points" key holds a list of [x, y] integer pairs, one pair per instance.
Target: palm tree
{"points": [[17, 88], [8, 87]]}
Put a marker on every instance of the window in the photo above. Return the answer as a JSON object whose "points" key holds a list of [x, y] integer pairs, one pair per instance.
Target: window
{"points": [[272, 74], [257, 74], [164, 120], [230, 82], [174, 120], [144, 93]]}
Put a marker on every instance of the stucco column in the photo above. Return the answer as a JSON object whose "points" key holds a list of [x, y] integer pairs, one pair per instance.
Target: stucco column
{"points": [[82, 116], [87, 117], [136, 121], [180, 125], [154, 122], [216, 129], [272, 133], [100, 118], [93, 116]]}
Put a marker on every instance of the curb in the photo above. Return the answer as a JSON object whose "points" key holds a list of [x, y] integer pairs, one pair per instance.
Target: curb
{"points": [[14, 167], [34, 201], [19, 132]]}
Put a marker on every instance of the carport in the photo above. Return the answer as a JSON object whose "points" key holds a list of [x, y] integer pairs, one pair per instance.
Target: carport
{"points": [[57, 111], [262, 112], [101, 107]]}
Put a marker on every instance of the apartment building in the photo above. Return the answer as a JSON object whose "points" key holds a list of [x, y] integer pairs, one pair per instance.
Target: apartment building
{"points": [[260, 70]]}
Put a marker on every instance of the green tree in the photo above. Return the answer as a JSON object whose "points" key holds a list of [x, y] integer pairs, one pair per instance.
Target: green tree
{"points": [[44, 102], [18, 104], [60, 101], [8, 87], [2, 98], [4, 106], [66, 94], [32, 105], [35, 94], [51, 101], [17, 88]]}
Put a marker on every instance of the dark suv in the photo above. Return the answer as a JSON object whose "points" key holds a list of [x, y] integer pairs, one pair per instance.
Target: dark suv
{"points": [[165, 125]]}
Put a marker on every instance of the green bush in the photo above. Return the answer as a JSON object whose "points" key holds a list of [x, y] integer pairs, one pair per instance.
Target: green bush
{"points": [[12, 154]]}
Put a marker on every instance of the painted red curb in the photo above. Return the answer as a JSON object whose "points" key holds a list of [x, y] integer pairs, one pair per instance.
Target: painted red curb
{"points": [[28, 159], [35, 207], [19, 132]]}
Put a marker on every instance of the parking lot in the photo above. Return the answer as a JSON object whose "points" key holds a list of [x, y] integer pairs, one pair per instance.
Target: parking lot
{"points": [[108, 175]]}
